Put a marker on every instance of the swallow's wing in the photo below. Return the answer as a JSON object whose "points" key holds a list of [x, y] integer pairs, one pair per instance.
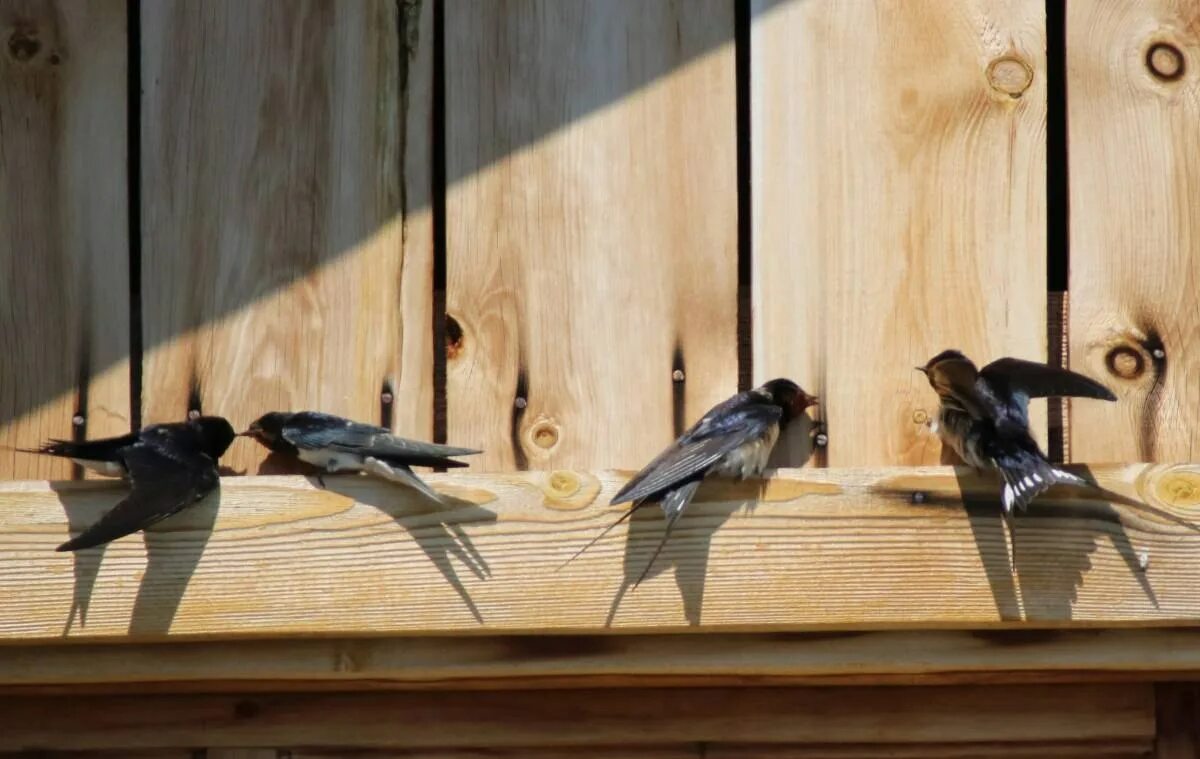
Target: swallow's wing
{"points": [[311, 431], [700, 448], [1034, 380], [106, 449], [164, 480]]}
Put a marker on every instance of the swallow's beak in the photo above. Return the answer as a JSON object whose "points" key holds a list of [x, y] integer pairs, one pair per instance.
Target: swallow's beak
{"points": [[922, 370], [811, 400], [248, 433]]}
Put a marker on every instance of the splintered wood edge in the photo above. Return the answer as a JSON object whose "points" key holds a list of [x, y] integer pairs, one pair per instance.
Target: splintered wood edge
{"points": [[851, 549]]}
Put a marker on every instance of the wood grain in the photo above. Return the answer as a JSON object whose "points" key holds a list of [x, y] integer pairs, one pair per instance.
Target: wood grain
{"points": [[820, 549], [560, 661], [64, 240], [1135, 216], [1114, 713], [279, 271], [1178, 721], [899, 195], [1124, 749], [591, 226]]}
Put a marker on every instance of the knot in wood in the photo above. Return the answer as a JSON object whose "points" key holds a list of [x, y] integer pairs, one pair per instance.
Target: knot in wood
{"points": [[920, 416], [545, 435], [1125, 362], [1165, 61], [563, 484], [23, 43], [1010, 75]]}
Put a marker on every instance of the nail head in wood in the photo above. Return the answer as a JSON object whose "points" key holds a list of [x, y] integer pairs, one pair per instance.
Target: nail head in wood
{"points": [[1010, 75], [78, 420], [520, 402], [678, 375], [1165, 61]]}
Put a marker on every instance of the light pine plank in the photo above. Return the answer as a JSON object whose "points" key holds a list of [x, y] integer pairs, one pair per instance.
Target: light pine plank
{"points": [[1135, 216], [830, 548], [899, 195], [64, 241], [1116, 712], [276, 270], [591, 226], [520, 662]]}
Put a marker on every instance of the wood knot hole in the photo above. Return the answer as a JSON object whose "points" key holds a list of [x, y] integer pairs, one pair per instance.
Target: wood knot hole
{"points": [[23, 43], [920, 416], [1125, 362], [454, 338], [1165, 61], [545, 435], [1010, 75]]}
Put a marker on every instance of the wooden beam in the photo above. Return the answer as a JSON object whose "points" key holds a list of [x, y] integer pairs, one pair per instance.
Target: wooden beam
{"points": [[819, 549], [1016, 714], [558, 661]]}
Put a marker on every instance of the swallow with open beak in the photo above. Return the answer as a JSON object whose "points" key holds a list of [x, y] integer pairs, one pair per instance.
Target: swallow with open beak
{"points": [[984, 417], [734, 439], [333, 444], [169, 467]]}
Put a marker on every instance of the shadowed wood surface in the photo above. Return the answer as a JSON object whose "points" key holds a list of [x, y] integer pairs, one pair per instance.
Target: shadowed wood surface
{"points": [[1134, 83], [591, 251], [1119, 714], [902, 215], [275, 275], [557, 661], [819, 549], [64, 239]]}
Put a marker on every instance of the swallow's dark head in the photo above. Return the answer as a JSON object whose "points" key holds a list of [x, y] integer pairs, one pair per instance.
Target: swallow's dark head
{"points": [[949, 354], [946, 366], [216, 434], [788, 396], [268, 429]]}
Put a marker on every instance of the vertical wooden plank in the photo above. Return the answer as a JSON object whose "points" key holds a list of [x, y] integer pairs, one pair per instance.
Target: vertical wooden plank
{"points": [[1133, 82], [64, 242], [277, 272], [591, 226], [1177, 730], [899, 194]]}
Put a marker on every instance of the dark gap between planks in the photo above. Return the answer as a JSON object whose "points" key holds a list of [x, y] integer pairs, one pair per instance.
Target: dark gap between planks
{"points": [[1057, 219], [745, 290], [438, 208], [133, 130]]}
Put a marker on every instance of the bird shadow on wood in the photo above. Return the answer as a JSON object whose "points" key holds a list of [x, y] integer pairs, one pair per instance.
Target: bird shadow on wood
{"points": [[1035, 574], [797, 444], [436, 528], [78, 503], [687, 549], [173, 550]]}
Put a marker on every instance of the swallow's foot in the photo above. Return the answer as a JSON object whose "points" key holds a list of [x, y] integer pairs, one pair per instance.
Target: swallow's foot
{"points": [[321, 480]]}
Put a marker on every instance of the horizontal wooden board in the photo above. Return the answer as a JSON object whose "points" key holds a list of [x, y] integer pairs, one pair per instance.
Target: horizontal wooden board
{"points": [[521, 661], [1122, 749], [819, 549], [1020, 714]]}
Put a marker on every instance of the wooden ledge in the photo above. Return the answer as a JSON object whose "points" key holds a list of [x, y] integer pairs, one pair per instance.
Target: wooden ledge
{"points": [[819, 550]]}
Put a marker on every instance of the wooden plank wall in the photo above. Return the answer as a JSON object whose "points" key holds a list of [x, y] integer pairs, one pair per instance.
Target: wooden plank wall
{"points": [[308, 179]]}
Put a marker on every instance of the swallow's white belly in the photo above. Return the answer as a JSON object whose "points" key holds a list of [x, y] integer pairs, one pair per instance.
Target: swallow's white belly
{"points": [[106, 468], [749, 460], [332, 461]]}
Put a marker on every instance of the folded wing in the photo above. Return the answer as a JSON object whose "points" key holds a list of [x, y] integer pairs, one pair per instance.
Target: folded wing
{"points": [[163, 482]]}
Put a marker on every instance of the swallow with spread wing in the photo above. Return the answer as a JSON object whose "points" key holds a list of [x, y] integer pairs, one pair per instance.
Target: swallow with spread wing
{"points": [[169, 467], [333, 444], [984, 417], [734, 439]]}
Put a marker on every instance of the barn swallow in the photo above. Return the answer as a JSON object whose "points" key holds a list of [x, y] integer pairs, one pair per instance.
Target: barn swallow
{"points": [[984, 417], [734, 439], [334, 444], [169, 467]]}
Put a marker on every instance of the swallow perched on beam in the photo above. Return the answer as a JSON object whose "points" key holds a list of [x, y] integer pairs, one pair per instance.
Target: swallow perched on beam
{"points": [[734, 439], [333, 444], [984, 417], [169, 467]]}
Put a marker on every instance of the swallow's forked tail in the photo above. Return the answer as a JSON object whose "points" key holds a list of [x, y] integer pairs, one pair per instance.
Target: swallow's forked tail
{"points": [[1028, 477]]}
